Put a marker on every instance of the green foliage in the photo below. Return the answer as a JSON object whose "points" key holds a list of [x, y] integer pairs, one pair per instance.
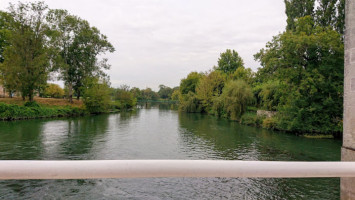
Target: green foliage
{"points": [[149, 94], [32, 104], [27, 60], [189, 103], [33, 110], [269, 123], [5, 20], [124, 99], [236, 96], [270, 95], [243, 73], [165, 92], [210, 87], [175, 95], [296, 9], [79, 45], [251, 119], [328, 13], [310, 74], [97, 96], [190, 83], [229, 62], [53, 91]]}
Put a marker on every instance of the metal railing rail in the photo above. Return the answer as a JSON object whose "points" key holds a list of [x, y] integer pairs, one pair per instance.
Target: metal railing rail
{"points": [[94, 169]]}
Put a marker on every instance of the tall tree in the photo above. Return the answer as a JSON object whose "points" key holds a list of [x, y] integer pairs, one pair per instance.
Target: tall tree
{"points": [[27, 61], [229, 61], [296, 9], [5, 21], [340, 20], [326, 13], [309, 66], [79, 45]]}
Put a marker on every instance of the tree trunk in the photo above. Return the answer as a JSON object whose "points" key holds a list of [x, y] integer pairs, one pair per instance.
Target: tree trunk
{"points": [[78, 96], [70, 92], [30, 96]]}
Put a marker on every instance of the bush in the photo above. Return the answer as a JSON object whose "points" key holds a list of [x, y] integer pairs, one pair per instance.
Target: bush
{"points": [[189, 103], [31, 111], [251, 119], [32, 104], [97, 98], [54, 91], [270, 123]]}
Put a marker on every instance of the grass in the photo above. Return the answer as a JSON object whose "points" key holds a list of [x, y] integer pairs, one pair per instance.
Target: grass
{"points": [[43, 102], [16, 108]]}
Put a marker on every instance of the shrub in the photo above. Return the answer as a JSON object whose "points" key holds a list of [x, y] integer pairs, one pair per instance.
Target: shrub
{"points": [[54, 91], [251, 119], [30, 111], [97, 97], [269, 123], [32, 104]]}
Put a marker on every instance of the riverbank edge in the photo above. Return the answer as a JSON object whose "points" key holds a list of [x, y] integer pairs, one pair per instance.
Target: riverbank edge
{"points": [[251, 119], [270, 123]]}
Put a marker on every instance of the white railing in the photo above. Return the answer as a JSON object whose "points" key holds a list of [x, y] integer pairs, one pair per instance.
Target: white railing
{"points": [[91, 169]]}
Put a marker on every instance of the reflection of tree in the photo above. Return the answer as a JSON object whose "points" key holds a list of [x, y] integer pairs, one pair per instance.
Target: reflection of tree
{"points": [[130, 115], [82, 133], [159, 105], [227, 139], [21, 140]]}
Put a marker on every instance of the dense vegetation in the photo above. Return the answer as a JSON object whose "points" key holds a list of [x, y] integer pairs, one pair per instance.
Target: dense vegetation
{"points": [[301, 78], [33, 110]]}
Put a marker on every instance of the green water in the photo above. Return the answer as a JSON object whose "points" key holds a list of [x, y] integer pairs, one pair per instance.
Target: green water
{"points": [[161, 133]]}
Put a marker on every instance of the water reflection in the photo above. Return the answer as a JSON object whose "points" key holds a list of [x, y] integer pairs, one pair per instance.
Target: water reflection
{"points": [[157, 132]]}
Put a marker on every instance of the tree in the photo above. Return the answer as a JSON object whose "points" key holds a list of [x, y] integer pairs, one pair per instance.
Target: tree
{"points": [[236, 96], [296, 9], [53, 91], [96, 95], [125, 97], [165, 92], [210, 87], [27, 61], [79, 45], [310, 74], [149, 94], [5, 21], [326, 13], [340, 20], [229, 62], [190, 83], [5, 80], [245, 74], [270, 95]]}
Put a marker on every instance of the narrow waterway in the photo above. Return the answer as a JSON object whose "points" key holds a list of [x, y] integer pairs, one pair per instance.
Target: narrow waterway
{"points": [[160, 133]]}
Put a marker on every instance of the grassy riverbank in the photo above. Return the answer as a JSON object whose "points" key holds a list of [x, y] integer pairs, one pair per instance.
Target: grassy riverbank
{"points": [[15, 109], [250, 118]]}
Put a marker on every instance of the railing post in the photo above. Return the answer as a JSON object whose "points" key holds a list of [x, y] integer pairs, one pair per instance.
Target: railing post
{"points": [[348, 149]]}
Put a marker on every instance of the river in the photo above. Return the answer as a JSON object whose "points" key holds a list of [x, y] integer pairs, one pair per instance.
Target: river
{"points": [[157, 132]]}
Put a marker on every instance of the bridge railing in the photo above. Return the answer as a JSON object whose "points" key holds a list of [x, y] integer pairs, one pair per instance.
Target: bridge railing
{"points": [[95, 169]]}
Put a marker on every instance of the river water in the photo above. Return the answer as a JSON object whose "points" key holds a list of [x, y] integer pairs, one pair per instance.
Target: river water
{"points": [[160, 133]]}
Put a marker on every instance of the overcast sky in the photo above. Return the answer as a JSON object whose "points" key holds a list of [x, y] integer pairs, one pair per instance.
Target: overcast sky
{"points": [[161, 41]]}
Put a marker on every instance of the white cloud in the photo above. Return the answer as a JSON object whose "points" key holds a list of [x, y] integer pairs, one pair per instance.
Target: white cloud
{"points": [[160, 42]]}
